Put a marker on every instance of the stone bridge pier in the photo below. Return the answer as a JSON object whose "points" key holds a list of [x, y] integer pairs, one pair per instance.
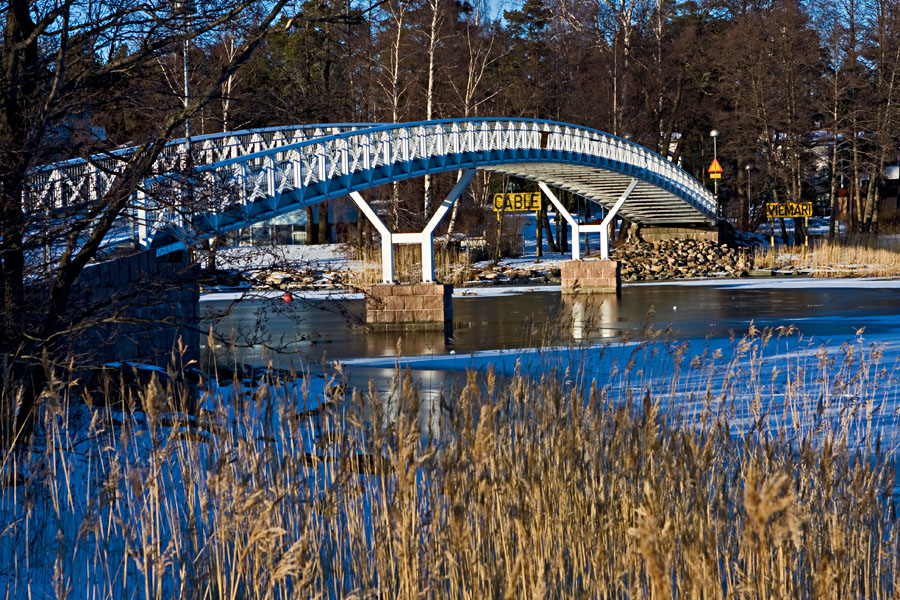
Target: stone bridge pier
{"points": [[425, 305], [410, 306], [595, 276], [590, 276]]}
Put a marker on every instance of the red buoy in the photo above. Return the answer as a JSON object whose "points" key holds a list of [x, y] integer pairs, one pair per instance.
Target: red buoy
{"points": [[288, 297]]}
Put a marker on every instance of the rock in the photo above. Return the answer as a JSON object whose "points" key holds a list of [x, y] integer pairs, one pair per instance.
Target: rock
{"points": [[276, 278]]}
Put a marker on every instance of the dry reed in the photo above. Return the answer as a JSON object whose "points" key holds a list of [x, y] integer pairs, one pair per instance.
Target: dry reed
{"points": [[450, 265], [860, 256], [519, 488]]}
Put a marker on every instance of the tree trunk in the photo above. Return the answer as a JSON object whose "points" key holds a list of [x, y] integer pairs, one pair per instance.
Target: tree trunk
{"points": [[856, 200], [310, 226], [433, 42], [324, 229], [545, 219], [833, 186]]}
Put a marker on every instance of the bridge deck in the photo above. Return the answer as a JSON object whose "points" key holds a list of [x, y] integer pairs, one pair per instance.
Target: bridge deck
{"points": [[252, 176]]}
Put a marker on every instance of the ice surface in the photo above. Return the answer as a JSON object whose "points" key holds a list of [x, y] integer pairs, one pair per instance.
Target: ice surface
{"points": [[792, 283]]}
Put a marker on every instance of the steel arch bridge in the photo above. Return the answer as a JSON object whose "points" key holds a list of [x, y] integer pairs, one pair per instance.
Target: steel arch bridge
{"points": [[242, 178]]}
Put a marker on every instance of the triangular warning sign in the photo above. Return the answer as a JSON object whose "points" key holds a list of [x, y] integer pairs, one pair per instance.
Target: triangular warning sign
{"points": [[715, 167]]}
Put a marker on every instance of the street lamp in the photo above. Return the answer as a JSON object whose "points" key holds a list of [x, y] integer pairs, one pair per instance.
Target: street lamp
{"points": [[714, 134], [743, 221], [186, 9]]}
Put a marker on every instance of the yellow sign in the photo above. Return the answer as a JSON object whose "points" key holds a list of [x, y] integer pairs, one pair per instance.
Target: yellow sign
{"points": [[520, 201], [715, 170], [788, 209]]}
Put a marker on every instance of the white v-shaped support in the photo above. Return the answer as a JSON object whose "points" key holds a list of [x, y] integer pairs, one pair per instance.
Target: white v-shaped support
{"points": [[424, 237], [577, 228]]}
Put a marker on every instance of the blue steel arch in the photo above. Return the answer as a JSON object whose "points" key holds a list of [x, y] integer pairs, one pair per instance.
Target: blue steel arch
{"points": [[586, 161]]}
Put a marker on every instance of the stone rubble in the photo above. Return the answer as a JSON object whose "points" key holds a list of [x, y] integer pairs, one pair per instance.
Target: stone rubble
{"points": [[310, 279], [681, 259], [641, 261], [507, 275]]}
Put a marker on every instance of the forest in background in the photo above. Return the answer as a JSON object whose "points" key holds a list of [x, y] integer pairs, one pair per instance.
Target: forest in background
{"points": [[781, 81], [803, 95]]}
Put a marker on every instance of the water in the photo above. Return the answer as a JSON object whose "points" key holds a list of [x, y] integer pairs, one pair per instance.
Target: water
{"points": [[310, 332]]}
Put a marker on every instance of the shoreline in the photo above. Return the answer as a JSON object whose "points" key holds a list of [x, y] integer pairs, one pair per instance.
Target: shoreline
{"points": [[502, 289]]}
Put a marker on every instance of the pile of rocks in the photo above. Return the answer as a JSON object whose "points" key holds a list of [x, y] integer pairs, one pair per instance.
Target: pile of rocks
{"points": [[674, 259], [306, 280], [517, 276], [274, 279], [641, 261]]}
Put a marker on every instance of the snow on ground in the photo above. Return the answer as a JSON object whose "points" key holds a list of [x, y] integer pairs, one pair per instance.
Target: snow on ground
{"points": [[529, 258], [792, 283], [458, 292], [774, 283], [322, 257], [274, 294], [817, 226]]}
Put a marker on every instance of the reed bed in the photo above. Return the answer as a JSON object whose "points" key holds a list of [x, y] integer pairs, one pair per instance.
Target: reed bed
{"points": [[568, 484], [450, 265], [859, 256]]}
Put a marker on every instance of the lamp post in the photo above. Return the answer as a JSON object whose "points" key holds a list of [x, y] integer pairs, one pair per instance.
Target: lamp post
{"points": [[187, 8], [747, 168], [187, 98], [714, 134]]}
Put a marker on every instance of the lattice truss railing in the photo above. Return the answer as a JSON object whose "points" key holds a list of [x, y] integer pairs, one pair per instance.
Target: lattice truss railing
{"points": [[79, 181], [247, 177]]}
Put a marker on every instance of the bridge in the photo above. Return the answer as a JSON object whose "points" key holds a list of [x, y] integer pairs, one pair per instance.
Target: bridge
{"points": [[241, 178]]}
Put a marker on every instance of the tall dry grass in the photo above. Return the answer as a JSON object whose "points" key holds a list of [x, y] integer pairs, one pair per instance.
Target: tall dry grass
{"points": [[450, 265], [858, 256], [562, 486]]}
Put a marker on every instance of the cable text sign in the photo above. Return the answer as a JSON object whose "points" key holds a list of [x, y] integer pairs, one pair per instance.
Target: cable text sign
{"points": [[520, 201]]}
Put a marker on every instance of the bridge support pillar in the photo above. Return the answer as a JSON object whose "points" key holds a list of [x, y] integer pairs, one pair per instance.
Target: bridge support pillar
{"points": [[426, 305], [578, 228], [423, 238], [410, 306], [591, 276]]}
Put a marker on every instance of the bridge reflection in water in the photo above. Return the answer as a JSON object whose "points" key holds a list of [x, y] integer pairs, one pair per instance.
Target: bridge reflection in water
{"points": [[593, 315]]}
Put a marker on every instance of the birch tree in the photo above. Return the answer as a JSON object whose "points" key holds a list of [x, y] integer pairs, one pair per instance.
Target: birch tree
{"points": [[392, 60]]}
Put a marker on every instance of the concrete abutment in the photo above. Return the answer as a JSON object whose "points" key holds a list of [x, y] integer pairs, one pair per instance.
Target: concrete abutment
{"points": [[398, 307], [591, 276]]}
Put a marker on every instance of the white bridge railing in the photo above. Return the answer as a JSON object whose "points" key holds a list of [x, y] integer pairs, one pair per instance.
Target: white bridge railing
{"points": [[80, 181], [336, 165], [244, 177]]}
